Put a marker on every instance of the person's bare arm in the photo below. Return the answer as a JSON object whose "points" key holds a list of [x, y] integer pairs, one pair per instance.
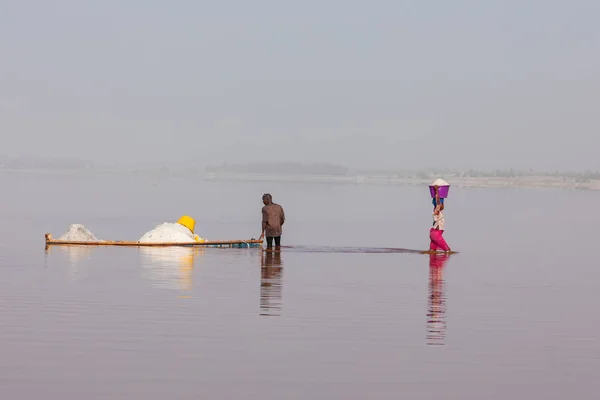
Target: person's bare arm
{"points": [[264, 223], [437, 196]]}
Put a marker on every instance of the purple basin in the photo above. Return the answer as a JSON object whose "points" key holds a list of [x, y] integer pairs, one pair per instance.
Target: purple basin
{"points": [[442, 190]]}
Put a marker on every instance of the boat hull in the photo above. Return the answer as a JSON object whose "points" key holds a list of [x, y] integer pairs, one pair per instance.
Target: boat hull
{"points": [[240, 244]]}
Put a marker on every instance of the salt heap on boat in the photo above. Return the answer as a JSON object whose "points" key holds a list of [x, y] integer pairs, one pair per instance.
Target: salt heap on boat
{"points": [[78, 233], [180, 232]]}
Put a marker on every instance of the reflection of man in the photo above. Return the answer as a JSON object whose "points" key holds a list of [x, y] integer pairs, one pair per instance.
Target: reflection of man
{"points": [[271, 262], [270, 283], [273, 218]]}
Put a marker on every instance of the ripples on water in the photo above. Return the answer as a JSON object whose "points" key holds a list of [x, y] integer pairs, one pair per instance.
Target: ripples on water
{"points": [[511, 316]]}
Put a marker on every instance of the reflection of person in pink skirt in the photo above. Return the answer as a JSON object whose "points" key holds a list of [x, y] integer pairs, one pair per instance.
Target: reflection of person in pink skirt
{"points": [[436, 315], [435, 233]]}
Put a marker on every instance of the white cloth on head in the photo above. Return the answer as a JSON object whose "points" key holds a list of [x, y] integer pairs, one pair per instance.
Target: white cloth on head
{"points": [[440, 182]]}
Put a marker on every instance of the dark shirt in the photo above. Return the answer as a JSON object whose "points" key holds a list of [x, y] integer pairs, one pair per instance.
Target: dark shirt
{"points": [[272, 219]]}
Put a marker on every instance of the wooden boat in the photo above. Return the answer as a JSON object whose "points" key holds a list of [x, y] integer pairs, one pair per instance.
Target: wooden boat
{"points": [[237, 244]]}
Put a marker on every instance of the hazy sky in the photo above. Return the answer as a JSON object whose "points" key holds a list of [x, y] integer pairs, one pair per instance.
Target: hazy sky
{"points": [[459, 83]]}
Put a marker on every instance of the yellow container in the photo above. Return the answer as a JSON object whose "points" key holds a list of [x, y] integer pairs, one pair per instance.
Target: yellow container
{"points": [[188, 222]]}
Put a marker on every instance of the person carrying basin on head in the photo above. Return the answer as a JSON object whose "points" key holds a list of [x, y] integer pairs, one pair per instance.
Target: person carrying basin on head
{"points": [[435, 233], [273, 218]]}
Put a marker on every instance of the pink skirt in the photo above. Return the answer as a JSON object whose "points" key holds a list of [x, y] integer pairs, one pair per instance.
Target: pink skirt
{"points": [[437, 240]]}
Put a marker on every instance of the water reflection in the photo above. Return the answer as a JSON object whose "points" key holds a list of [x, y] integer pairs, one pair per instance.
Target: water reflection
{"points": [[170, 267], [76, 258], [436, 322], [271, 272]]}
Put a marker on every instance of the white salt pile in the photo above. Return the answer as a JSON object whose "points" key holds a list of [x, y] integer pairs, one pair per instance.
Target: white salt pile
{"points": [[168, 233], [79, 233]]}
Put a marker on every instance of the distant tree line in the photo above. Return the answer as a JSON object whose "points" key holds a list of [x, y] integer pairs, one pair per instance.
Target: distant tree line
{"points": [[287, 168], [45, 163], [581, 176], [512, 173], [296, 168]]}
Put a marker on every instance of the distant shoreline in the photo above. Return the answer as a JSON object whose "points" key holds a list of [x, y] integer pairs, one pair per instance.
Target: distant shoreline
{"points": [[548, 182], [467, 182]]}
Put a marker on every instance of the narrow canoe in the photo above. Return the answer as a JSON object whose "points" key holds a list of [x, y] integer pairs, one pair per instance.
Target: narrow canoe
{"points": [[213, 243]]}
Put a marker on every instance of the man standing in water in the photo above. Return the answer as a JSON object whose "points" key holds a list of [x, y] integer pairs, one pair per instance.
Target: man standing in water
{"points": [[273, 218]]}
